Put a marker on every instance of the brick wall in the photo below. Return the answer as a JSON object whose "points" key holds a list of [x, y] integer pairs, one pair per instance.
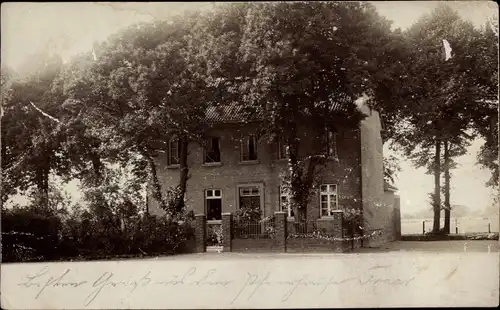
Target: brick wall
{"points": [[281, 224], [390, 219], [332, 227], [372, 178], [200, 231], [256, 246], [227, 229], [300, 245], [266, 172], [358, 172]]}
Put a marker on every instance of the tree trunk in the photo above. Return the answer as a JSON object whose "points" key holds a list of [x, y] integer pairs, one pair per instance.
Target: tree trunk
{"points": [[296, 184], [43, 189], [447, 210], [154, 184], [184, 171], [437, 188], [3, 155], [96, 168], [42, 180]]}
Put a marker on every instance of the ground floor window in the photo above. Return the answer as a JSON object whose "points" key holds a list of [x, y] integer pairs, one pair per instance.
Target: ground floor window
{"points": [[328, 199], [213, 200], [250, 197], [285, 201]]}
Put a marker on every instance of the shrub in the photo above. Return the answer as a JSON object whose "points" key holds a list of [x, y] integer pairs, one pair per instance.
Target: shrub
{"points": [[30, 236], [214, 235], [248, 214]]}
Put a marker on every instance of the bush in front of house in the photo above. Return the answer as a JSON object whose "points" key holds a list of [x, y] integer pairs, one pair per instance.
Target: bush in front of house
{"points": [[214, 235], [28, 235]]}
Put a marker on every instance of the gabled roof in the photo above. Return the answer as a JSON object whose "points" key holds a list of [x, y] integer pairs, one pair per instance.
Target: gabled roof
{"points": [[233, 112]]}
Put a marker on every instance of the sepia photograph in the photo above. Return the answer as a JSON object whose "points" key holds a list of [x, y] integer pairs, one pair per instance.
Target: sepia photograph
{"points": [[226, 155]]}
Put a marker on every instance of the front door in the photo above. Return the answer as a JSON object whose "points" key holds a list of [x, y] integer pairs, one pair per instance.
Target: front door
{"points": [[213, 206]]}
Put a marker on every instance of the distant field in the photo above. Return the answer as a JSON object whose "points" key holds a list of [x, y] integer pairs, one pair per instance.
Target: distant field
{"points": [[464, 224]]}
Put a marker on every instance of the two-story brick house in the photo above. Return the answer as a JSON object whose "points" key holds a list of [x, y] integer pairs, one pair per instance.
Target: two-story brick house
{"points": [[234, 168]]}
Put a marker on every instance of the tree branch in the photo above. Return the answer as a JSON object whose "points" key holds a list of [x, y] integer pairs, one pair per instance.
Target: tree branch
{"points": [[45, 114]]}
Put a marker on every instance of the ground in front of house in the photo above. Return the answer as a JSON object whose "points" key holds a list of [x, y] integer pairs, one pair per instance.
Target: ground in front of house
{"points": [[446, 276], [453, 246], [471, 246]]}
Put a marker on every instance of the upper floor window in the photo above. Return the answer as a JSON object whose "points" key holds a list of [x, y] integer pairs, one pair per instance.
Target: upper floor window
{"points": [[285, 205], [248, 148], [212, 151], [173, 151], [328, 199], [281, 148], [331, 144]]}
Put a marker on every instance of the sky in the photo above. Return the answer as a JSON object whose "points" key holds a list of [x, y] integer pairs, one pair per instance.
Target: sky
{"points": [[69, 28]]}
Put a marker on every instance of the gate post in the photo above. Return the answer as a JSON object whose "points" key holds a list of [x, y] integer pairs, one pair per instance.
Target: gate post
{"points": [[227, 230], [200, 227], [281, 230]]}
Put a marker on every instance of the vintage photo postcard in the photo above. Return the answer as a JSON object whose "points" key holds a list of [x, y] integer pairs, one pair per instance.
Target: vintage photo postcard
{"points": [[227, 155]]}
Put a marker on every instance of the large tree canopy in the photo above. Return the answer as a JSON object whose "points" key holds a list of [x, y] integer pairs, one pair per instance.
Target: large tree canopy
{"points": [[31, 141], [442, 95], [307, 63]]}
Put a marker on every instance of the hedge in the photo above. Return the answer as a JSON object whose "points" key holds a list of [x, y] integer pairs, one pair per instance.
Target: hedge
{"points": [[28, 236]]}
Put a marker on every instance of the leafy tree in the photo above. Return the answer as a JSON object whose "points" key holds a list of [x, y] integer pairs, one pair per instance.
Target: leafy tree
{"points": [[300, 60], [485, 123], [6, 81], [441, 96], [117, 198], [82, 144], [391, 169], [31, 148], [147, 84]]}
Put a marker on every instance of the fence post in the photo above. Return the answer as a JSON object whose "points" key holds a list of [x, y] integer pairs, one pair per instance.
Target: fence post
{"points": [[200, 227], [281, 230], [423, 227], [338, 230], [227, 230], [397, 209]]}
